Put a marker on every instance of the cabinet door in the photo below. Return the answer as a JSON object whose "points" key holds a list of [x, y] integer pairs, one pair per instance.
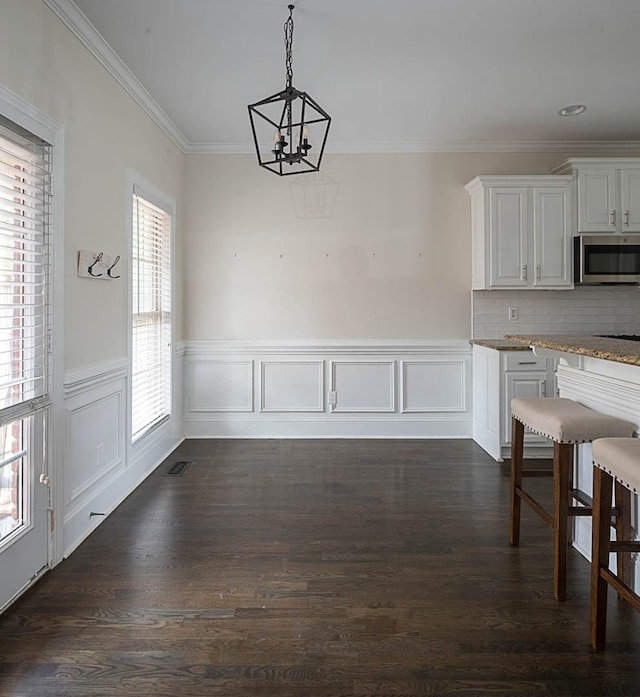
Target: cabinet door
{"points": [[551, 237], [508, 218], [630, 213], [523, 384], [597, 200]]}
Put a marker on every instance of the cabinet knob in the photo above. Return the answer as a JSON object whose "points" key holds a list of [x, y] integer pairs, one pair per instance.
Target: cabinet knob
{"points": [[538, 272], [626, 217], [613, 218]]}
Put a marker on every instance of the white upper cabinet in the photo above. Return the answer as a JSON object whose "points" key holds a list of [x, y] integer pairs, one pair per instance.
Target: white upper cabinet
{"points": [[608, 193], [508, 241], [630, 198], [521, 232]]}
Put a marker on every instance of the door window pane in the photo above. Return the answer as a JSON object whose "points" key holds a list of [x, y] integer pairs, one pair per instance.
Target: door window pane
{"points": [[13, 506]]}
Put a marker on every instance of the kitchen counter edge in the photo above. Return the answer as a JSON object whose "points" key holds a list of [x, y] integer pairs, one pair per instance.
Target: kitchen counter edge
{"points": [[617, 350], [499, 344]]}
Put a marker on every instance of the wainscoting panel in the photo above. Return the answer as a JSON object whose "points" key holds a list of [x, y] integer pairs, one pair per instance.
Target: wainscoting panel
{"points": [[338, 389], [233, 381], [434, 386], [363, 386], [96, 445], [100, 467], [292, 386]]}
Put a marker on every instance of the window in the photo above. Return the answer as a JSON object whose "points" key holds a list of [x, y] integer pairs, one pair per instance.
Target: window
{"points": [[151, 315], [24, 310]]}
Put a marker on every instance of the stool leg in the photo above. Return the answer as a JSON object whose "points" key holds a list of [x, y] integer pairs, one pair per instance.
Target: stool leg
{"points": [[562, 460], [517, 452], [600, 543], [623, 530]]}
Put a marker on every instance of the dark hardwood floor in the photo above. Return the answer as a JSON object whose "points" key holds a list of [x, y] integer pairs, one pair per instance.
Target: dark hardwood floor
{"points": [[316, 569]]}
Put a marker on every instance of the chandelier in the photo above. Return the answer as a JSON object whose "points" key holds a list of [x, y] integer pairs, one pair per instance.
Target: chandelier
{"points": [[289, 128]]}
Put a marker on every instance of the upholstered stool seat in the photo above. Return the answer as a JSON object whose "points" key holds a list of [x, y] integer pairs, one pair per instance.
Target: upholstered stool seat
{"points": [[566, 423], [614, 459]]}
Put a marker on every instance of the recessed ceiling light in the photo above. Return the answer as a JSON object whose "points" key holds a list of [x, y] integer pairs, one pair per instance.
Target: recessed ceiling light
{"points": [[572, 110]]}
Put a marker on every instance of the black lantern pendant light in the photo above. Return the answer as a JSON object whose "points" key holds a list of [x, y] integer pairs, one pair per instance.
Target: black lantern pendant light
{"points": [[289, 128]]}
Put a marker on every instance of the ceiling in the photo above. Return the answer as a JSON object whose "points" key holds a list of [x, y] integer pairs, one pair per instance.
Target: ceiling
{"points": [[398, 75]]}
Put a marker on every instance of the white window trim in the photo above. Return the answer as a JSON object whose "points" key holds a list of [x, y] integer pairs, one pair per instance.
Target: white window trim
{"points": [[150, 192], [32, 119]]}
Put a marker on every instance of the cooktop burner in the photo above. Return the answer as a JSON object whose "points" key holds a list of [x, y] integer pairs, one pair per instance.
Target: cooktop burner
{"points": [[627, 337]]}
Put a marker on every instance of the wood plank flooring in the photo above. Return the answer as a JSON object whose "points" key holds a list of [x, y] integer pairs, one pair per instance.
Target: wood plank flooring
{"points": [[349, 568]]}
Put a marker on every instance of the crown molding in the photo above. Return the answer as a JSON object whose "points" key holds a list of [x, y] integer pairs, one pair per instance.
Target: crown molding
{"points": [[485, 146], [81, 27], [430, 147]]}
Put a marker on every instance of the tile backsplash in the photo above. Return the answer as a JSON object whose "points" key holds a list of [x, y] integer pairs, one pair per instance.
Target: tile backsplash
{"points": [[583, 310]]}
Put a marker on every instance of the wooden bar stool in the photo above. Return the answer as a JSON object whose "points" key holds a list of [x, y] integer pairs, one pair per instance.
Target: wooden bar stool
{"points": [[614, 459], [566, 423]]}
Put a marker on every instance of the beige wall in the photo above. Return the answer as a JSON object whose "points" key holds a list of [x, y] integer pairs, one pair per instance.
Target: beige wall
{"points": [[105, 133], [392, 261]]}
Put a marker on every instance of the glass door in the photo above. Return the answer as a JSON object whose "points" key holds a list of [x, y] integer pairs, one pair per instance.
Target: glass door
{"points": [[24, 357], [23, 506]]}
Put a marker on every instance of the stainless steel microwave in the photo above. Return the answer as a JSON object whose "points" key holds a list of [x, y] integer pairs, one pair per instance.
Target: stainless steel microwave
{"points": [[606, 259]]}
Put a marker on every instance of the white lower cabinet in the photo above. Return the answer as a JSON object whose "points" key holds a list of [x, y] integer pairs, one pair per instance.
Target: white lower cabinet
{"points": [[498, 377]]}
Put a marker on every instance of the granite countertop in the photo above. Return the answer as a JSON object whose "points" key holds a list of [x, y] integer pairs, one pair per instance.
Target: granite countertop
{"points": [[500, 344], [618, 350]]}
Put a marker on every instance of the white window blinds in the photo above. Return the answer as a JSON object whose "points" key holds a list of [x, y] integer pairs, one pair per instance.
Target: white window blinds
{"points": [[25, 192], [151, 316]]}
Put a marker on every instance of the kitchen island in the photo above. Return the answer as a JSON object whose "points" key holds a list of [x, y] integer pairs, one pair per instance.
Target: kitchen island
{"points": [[603, 374]]}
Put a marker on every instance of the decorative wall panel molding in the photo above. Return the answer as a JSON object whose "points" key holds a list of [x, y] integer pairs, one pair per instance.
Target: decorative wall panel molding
{"points": [[233, 382], [434, 386], [363, 386], [292, 386], [95, 440], [327, 389]]}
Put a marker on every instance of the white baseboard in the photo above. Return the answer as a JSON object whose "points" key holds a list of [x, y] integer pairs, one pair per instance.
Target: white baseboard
{"points": [[326, 428]]}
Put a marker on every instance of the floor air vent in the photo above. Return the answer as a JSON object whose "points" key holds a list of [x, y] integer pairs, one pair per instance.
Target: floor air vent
{"points": [[177, 469]]}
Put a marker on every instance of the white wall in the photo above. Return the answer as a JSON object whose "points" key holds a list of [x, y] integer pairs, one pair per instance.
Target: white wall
{"points": [[105, 133], [392, 259]]}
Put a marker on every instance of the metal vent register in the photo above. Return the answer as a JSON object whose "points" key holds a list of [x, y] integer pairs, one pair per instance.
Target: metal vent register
{"points": [[177, 469]]}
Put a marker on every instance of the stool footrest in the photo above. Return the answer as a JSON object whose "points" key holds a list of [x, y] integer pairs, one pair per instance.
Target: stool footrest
{"points": [[579, 510], [624, 546], [537, 473], [621, 588], [540, 510]]}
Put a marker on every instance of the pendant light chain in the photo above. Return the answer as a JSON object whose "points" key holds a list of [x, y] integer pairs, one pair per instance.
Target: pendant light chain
{"points": [[288, 46]]}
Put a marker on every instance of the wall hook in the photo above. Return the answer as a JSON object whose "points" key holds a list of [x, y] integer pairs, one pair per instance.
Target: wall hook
{"points": [[117, 259], [90, 269]]}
